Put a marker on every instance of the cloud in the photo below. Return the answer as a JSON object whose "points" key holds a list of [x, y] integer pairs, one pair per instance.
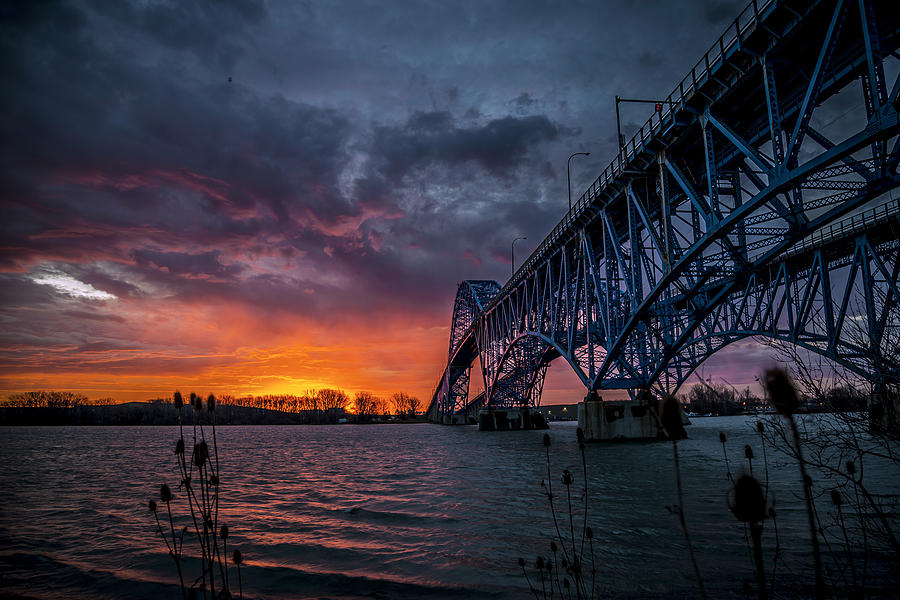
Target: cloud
{"points": [[203, 265], [499, 146]]}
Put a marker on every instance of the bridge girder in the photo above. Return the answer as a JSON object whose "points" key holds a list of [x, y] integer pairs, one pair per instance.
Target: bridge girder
{"points": [[735, 211]]}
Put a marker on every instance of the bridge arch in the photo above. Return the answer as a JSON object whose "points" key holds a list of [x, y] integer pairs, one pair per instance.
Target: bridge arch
{"points": [[683, 376], [506, 380], [451, 396]]}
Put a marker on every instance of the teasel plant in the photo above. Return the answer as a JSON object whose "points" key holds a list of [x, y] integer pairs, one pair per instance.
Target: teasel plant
{"points": [[770, 503], [783, 397], [671, 423], [747, 502], [744, 503], [564, 573], [199, 471]]}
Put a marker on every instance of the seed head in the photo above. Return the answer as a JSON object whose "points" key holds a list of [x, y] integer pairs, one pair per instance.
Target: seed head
{"points": [[165, 494], [521, 562], [781, 392], [836, 498], [566, 582], [851, 467], [197, 401], [177, 400], [749, 500], [223, 532], [553, 547], [579, 433], [179, 446], [546, 440], [671, 419], [201, 453], [237, 557], [722, 438], [589, 532], [748, 452], [152, 505], [539, 563], [760, 427], [211, 403], [567, 477]]}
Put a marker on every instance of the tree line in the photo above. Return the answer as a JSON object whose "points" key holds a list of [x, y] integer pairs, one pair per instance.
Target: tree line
{"points": [[47, 400], [710, 398], [327, 400]]}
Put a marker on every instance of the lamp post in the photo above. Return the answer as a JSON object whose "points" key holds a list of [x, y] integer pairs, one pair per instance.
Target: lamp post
{"points": [[569, 174], [512, 254], [657, 105]]}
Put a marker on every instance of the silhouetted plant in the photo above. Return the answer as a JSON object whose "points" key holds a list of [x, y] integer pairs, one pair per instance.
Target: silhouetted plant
{"points": [[722, 439], [201, 490], [748, 503], [672, 422], [565, 568], [783, 397], [861, 521]]}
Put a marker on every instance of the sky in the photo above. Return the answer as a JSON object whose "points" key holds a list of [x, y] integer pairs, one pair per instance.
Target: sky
{"points": [[270, 197]]}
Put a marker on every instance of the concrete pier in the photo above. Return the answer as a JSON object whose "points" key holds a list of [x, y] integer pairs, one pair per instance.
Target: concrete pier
{"points": [[616, 419], [510, 419], [456, 419]]}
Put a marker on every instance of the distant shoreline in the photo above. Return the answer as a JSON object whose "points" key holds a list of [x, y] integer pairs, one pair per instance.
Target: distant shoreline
{"points": [[165, 414]]}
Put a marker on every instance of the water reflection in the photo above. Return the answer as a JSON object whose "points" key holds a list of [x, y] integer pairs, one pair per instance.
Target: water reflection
{"points": [[400, 511]]}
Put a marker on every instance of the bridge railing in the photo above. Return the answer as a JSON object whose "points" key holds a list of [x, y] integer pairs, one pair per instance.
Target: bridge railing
{"points": [[847, 227], [731, 39]]}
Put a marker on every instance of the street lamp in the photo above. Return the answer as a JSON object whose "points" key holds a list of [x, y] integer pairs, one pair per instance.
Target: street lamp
{"points": [[569, 174], [512, 254]]}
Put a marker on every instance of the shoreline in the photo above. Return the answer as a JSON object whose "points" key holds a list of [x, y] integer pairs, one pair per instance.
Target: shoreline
{"points": [[164, 414]]}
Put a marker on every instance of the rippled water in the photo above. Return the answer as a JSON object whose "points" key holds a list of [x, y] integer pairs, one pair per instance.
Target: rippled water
{"points": [[381, 511]]}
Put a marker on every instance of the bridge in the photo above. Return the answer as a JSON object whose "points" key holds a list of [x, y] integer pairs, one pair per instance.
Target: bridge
{"points": [[760, 200]]}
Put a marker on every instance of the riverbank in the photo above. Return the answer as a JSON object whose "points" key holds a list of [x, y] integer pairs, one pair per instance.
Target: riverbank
{"points": [[158, 413]]}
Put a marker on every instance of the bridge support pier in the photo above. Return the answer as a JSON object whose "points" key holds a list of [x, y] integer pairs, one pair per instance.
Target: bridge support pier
{"points": [[884, 409], [616, 419], [510, 419], [455, 419]]}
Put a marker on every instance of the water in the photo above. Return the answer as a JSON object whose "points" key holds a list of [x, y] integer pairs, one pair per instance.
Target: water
{"points": [[381, 511]]}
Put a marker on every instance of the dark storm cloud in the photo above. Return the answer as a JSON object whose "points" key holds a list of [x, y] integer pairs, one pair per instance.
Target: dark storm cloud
{"points": [[498, 146], [92, 113]]}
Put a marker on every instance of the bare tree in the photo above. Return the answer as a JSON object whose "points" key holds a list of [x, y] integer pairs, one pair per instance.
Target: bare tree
{"points": [[406, 405], [331, 400], [367, 404]]}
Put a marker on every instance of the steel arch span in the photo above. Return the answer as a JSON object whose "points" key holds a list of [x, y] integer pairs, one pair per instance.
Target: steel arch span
{"points": [[761, 200]]}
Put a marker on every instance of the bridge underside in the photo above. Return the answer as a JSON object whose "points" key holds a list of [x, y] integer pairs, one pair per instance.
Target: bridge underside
{"points": [[759, 202]]}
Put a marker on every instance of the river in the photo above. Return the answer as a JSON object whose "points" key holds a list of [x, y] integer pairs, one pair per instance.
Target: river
{"points": [[388, 511]]}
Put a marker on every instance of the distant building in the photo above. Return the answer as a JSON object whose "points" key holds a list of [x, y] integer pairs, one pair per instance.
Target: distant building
{"points": [[559, 412]]}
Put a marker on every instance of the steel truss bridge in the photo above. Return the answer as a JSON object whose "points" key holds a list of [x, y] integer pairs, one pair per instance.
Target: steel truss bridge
{"points": [[760, 201]]}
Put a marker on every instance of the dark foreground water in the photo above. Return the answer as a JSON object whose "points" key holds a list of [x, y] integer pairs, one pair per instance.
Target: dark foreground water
{"points": [[399, 511]]}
